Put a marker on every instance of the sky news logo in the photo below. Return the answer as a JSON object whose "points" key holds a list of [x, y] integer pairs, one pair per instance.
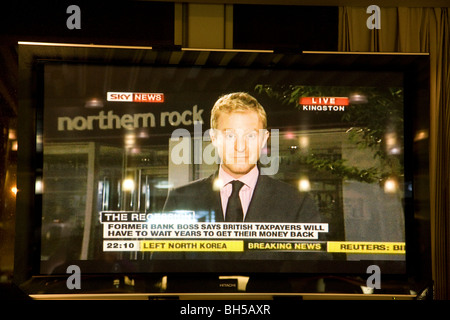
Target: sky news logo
{"points": [[135, 97]]}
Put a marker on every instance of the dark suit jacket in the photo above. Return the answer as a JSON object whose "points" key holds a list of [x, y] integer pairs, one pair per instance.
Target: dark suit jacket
{"points": [[272, 201]]}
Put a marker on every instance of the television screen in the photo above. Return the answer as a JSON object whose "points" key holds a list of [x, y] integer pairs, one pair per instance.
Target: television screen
{"points": [[137, 163]]}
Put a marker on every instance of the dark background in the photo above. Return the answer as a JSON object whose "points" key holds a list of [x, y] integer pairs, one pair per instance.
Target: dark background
{"points": [[283, 28], [135, 23]]}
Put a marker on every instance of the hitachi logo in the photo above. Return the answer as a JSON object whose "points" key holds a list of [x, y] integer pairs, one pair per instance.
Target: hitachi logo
{"points": [[135, 97]]}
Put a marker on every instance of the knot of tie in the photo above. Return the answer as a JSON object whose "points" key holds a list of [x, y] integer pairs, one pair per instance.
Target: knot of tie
{"points": [[234, 207]]}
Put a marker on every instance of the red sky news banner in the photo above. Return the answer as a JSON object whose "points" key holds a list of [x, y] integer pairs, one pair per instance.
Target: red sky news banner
{"points": [[145, 97], [134, 231]]}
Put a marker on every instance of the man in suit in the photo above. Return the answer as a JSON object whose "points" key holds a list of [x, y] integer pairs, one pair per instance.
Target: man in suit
{"points": [[239, 132], [272, 201]]}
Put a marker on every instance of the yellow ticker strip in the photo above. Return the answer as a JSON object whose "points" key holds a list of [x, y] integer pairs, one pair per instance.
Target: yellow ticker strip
{"points": [[192, 245], [366, 247]]}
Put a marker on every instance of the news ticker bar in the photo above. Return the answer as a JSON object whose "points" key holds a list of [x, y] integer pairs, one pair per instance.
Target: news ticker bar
{"points": [[209, 230], [349, 247]]}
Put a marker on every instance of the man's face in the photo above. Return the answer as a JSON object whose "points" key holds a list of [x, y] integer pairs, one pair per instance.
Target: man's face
{"points": [[239, 138]]}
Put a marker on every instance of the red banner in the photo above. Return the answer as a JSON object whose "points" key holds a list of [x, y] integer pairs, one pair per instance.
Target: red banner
{"points": [[329, 101]]}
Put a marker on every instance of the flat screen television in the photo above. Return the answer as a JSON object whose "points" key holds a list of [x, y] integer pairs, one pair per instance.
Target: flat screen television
{"points": [[121, 174]]}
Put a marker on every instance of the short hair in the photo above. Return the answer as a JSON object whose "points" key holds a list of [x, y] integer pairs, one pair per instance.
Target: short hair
{"points": [[237, 102]]}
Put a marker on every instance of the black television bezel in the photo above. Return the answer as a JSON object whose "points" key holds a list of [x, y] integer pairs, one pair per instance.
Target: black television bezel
{"points": [[415, 68]]}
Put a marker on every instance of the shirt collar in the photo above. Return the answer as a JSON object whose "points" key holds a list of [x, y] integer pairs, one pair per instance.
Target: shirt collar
{"points": [[249, 179]]}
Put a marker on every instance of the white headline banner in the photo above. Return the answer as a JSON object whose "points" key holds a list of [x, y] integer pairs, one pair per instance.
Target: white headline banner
{"points": [[209, 230]]}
